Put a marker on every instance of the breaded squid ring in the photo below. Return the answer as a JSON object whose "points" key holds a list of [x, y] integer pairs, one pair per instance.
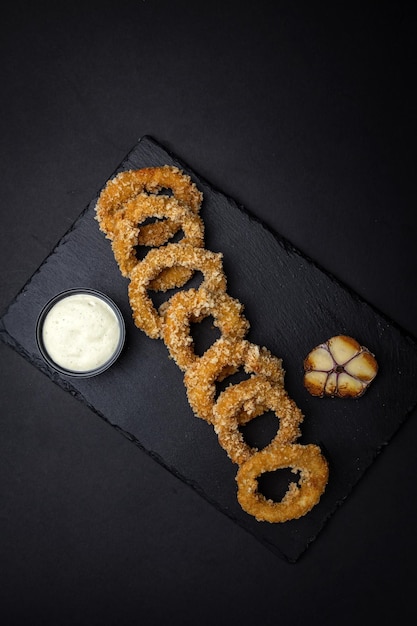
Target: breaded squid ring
{"points": [[124, 207], [300, 498], [192, 306], [242, 402], [126, 185], [128, 231], [222, 359], [145, 316]]}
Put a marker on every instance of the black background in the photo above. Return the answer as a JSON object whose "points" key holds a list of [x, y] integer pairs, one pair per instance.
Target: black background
{"points": [[304, 113]]}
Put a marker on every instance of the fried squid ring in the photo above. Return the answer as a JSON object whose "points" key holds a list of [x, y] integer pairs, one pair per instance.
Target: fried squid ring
{"points": [[300, 498], [127, 234], [123, 210], [242, 402], [126, 185], [222, 359], [192, 306], [145, 316]]}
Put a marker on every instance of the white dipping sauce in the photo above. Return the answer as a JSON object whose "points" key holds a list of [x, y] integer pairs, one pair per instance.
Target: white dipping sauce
{"points": [[81, 332]]}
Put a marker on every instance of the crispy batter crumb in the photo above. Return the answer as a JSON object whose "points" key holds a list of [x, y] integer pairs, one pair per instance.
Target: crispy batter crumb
{"points": [[124, 206]]}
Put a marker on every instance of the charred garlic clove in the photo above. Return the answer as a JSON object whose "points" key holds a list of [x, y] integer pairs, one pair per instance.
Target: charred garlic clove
{"points": [[339, 367]]}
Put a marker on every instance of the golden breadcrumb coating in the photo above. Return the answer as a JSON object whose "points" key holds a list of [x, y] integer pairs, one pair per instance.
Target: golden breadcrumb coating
{"points": [[192, 306], [208, 263], [127, 185], [128, 235], [123, 211], [300, 498], [222, 359], [240, 403]]}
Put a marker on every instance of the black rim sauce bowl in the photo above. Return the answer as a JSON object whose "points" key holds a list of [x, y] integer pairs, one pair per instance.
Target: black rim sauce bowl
{"points": [[80, 373]]}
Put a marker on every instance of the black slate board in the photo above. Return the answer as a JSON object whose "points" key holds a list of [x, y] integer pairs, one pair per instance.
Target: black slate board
{"points": [[292, 306]]}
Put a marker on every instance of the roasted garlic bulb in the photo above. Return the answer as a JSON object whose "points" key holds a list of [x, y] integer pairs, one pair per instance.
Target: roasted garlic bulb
{"points": [[340, 367]]}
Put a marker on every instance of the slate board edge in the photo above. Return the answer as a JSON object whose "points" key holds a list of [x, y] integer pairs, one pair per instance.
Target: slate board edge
{"points": [[289, 248], [66, 386], [283, 241]]}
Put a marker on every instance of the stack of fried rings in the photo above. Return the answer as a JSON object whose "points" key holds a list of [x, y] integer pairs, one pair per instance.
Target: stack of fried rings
{"points": [[167, 195]]}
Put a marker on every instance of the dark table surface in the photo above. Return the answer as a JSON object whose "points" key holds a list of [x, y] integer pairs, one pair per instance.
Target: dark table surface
{"points": [[306, 116]]}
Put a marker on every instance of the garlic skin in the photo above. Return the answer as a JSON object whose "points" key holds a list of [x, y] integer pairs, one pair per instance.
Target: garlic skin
{"points": [[340, 368]]}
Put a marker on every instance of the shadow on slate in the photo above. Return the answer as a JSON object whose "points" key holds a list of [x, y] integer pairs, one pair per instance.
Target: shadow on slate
{"points": [[292, 306]]}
